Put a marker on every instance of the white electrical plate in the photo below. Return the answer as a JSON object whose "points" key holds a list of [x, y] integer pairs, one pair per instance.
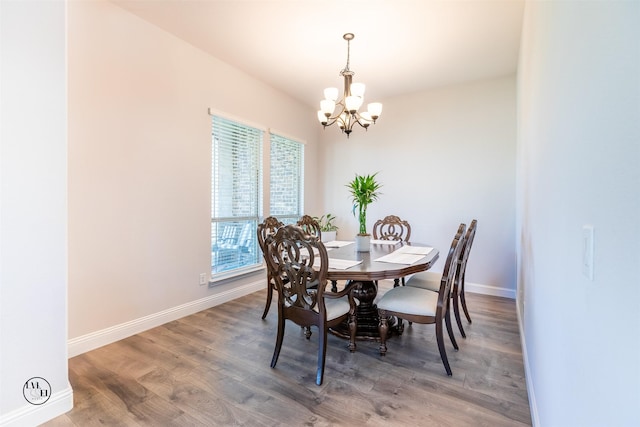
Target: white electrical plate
{"points": [[587, 251]]}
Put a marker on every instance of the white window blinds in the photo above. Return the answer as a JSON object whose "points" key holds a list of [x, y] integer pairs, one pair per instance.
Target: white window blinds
{"points": [[287, 178], [235, 194]]}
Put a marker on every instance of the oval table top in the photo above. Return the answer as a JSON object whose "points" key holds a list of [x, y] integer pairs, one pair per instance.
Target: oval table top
{"points": [[370, 269]]}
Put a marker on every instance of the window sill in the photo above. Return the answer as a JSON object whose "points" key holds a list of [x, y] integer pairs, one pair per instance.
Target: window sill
{"points": [[231, 276]]}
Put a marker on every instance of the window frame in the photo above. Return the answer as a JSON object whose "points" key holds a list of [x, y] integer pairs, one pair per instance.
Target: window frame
{"points": [[263, 196]]}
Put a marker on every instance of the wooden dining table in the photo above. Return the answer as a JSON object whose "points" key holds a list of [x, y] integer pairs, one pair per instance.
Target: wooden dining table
{"points": [[367, 273]]}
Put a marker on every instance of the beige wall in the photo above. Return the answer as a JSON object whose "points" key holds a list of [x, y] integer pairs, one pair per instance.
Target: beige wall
{"points": [[33, 209], [578, 163], [444, 156], [139, 165]]}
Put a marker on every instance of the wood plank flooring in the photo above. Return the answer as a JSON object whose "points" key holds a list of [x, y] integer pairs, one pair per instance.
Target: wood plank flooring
{"points": [[212, 369]]}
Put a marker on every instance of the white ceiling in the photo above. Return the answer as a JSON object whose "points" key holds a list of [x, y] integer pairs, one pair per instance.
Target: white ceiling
{"points": [[400, 46]]}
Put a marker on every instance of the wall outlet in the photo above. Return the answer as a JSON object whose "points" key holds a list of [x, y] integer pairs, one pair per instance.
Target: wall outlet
{"points": [[203, 278]]}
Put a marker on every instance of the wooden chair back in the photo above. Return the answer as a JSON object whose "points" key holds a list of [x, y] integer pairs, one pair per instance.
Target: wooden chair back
{"points": [[268, 228], [464, 256], [310, 226], [450, 270], [392, 227], [299, 265]]}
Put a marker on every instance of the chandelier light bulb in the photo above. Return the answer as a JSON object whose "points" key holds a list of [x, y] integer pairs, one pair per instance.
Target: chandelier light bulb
{"points": [[357, 89], [352, 103], [375, 109], [331, 93], [327, 106]]}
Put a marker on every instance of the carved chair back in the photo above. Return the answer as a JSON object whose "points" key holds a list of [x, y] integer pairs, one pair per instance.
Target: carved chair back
{"points": [[310, 226], [392, 228], [450, 270], [464, 255], [299, 264], [266, 229]]}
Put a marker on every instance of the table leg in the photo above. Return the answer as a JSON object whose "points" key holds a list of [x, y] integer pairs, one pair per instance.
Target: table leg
{"points": [[367, 312]]}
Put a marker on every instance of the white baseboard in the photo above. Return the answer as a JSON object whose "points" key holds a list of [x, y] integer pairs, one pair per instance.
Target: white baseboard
{"points": [[489, 290], [115, 333], [33, 415], [533, 408], [475, 288]]}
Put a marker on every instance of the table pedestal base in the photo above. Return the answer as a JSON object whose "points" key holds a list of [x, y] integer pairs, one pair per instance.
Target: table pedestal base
{"points": [[367, 313]]}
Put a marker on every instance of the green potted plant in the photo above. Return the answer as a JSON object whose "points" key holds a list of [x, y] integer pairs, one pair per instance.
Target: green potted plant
{"points": [[328, 228], [364, 191]]}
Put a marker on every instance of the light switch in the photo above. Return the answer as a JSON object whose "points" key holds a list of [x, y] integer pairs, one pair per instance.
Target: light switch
{"points": [[587, 251]]}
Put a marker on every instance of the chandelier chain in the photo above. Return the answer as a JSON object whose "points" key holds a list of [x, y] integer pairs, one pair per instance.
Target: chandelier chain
{"points": [[346, 69]]}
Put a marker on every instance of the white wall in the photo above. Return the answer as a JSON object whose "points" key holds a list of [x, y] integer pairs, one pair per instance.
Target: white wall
{"points": [[33, 209], [444, 156], [139, 170], [579, 164]]}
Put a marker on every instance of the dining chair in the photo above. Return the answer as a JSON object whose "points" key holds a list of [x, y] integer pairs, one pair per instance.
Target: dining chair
{"points": [[299, 264], [422, 305], [392, 227], [267, 228], [310, 225], [426, 280]]}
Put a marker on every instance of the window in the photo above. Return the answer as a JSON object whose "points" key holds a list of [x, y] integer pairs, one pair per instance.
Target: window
{"points": [[237, 191], [287, 179], [235, 195]]}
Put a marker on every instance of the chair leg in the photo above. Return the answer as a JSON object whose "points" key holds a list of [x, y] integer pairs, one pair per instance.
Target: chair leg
{"points": [[464, 302], [353, 327], [322, 352], [447, 320], [383, 329], [279, 338], [443, 352], [269, 297], [456, 312]]}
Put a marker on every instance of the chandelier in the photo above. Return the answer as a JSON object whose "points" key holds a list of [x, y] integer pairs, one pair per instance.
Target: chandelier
{"points": [[345, 111]]}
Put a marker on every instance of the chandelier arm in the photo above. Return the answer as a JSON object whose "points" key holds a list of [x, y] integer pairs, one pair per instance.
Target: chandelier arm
{"points": [[330, 121], [365, 125], [339, 113]]}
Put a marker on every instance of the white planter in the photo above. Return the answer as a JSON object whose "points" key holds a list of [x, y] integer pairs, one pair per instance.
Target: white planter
{"points": [[328, 236], [363, 242]]}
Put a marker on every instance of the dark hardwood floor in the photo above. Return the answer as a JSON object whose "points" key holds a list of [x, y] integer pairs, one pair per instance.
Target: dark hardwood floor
{"points": [[212, 369]]}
